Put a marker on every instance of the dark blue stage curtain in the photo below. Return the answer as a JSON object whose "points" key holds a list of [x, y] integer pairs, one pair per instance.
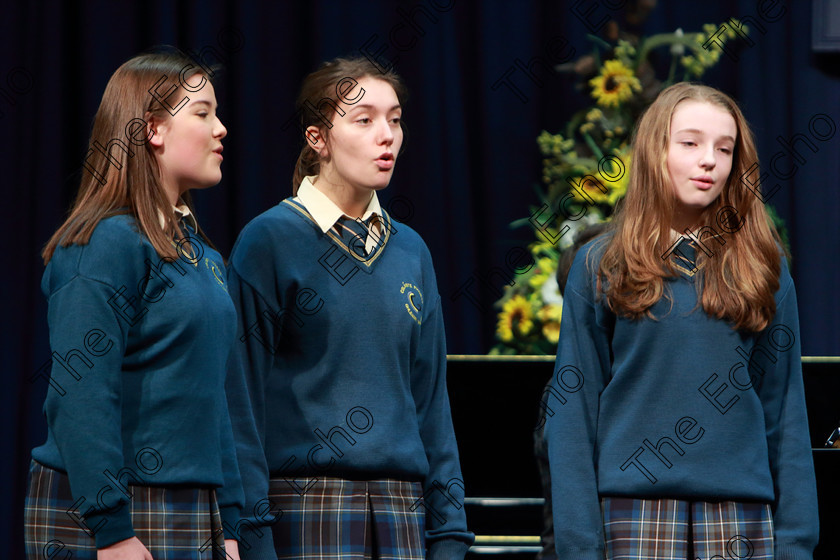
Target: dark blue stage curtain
{"points": [[471, 161]]}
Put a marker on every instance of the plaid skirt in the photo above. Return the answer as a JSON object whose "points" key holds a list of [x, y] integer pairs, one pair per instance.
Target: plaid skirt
{"points": [[337, 519], [679, 530], [173, 523]]}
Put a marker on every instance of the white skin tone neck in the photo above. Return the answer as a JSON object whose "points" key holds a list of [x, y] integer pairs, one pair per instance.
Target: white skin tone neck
{"points": [[358, 156], [699, 159], [188, 145], [352, 201]]}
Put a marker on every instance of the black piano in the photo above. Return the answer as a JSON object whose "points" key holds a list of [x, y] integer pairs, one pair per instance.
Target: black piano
{"points": [[494, 403]]}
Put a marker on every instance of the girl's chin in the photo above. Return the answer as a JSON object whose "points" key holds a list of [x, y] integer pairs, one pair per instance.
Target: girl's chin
{"points": [[207, 184], [697, 203], [380, 182]]}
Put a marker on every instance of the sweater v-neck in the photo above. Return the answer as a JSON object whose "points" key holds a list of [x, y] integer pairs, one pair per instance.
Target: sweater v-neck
{"points": [[330, 236]]}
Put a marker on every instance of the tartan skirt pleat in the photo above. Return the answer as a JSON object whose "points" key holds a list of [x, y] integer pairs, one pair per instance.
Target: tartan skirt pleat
{"points": [[664, 529], [645, 529], [732, 530], [173, 523], [337, 519]]}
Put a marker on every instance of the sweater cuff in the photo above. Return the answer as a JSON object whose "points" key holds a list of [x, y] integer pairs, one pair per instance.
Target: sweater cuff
{"points": [[448, 549], [580, 554], [790, 551], [110, 527], [252, 546], [230, 517]]}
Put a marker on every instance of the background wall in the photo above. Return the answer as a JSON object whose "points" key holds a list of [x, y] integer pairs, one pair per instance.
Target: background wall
{"points": [[471, 162]]}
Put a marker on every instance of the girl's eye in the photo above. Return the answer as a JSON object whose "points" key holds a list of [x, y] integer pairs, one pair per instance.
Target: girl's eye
{"points": [[726, 150], [396, 120], [363, 120], [687, 143], [202, 114]]}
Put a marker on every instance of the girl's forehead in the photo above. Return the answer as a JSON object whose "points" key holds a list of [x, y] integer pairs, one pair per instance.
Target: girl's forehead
{"points": [[703, 116], [376, 91], [695, 108]]}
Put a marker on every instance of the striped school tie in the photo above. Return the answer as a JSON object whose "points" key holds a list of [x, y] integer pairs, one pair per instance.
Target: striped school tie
{"points": [[354, 233]]}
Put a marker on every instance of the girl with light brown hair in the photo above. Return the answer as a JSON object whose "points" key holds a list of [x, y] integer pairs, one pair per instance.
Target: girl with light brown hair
{"points": [[679, 427], [139, 461]]}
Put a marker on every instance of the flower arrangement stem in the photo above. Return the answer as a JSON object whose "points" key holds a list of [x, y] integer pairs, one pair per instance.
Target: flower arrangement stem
{"points": [[655, 41], [596, 150], [671, 72]]}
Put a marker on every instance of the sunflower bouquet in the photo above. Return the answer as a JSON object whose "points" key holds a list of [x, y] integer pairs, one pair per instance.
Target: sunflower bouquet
{"points": [[587, 166]]}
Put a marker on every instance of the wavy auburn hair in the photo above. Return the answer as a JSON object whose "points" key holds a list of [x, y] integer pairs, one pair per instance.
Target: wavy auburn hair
{"points": [[320, 86], [132, 182], [737, 283]]}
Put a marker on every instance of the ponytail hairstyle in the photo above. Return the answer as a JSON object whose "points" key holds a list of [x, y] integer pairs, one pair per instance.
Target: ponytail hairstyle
{"points": [[127, 180], [738, 282], [322, 91]]}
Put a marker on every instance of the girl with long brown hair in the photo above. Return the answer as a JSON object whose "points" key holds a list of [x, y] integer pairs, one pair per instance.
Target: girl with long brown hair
{"points": [[678, 426], [354, 454], [139, 461]]}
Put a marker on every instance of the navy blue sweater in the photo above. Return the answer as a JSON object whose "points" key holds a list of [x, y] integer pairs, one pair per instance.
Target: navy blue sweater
{"points": [[344, 360], [680, 407], [136, 390]]}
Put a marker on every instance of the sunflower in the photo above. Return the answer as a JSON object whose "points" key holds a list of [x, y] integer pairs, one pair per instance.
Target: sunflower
{"points": [[591, 189], [516, 314], [550, 315], [614, 85]]}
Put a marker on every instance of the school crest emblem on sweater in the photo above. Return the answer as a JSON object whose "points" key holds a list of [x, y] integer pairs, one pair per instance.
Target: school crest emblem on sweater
{"points": [[414, 301], [218, 272]]}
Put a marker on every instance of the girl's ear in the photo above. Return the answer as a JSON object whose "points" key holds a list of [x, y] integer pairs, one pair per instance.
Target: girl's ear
{"points": [[155, 129], [316, 141]]}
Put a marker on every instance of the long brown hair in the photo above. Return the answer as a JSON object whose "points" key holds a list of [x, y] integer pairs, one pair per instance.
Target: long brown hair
{"points": [[739, 279], [127, 180], [322, 84]]}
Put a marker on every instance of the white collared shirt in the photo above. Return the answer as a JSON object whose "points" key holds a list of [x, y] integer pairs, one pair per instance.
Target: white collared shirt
{"points": [[182, 213], [326, 214]]}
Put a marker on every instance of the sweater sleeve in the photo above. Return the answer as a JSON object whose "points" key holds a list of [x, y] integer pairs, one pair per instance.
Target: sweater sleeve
{"points": [[249, 364], [230, 495], [83, 404], [447, 536], [795, 516], [581, 372]]}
